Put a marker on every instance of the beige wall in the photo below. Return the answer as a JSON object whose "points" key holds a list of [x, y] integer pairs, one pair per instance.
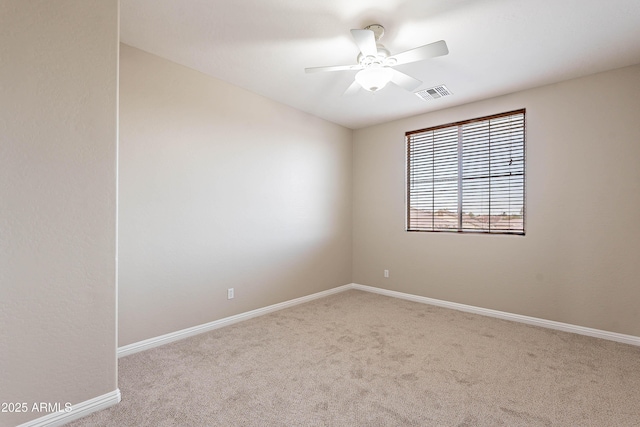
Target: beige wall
{"points": [[578, 263], [58, 121], [221, 188]]}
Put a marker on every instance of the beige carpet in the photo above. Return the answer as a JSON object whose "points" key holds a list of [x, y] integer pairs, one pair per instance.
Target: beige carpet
{"points": [[361, 359]]}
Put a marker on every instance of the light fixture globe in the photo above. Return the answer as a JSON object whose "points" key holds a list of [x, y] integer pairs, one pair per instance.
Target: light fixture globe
{"points": [[374, 78]]}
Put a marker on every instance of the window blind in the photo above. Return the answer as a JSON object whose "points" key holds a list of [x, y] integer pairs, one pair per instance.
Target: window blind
{"points": [[468, 176]]}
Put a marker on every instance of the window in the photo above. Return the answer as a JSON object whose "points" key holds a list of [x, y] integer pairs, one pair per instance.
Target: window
{"points": [[468, 176]]}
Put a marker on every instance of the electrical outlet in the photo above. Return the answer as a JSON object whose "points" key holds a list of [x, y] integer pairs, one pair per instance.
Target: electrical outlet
{"points": [[230, 293], [386, 274]]}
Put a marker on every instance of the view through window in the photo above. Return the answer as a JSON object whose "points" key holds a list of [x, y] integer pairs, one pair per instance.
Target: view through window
{"points": [[468, 176]]}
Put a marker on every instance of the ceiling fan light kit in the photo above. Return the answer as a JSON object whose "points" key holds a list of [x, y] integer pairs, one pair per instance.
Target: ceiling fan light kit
{"points": [[375, 63], [374, 78]]}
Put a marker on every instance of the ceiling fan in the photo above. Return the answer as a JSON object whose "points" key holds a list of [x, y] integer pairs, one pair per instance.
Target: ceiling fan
{"points": [[375, 62]]}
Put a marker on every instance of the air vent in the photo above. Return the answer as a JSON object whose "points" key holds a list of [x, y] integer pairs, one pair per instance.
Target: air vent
{"points": [[433, 92]]}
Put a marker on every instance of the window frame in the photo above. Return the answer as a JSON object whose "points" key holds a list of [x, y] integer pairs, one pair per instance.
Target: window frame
{"points": [[460, 178]]}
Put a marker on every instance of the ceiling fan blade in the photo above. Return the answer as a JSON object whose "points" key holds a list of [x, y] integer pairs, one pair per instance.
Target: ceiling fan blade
{"points": [[355, 87], [427, 51], [366, 41], [404, 81], [333, 68]]}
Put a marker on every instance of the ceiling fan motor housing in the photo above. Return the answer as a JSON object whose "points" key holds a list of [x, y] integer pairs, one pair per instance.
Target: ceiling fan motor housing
{"points": [[382, 55], [381, 59]]}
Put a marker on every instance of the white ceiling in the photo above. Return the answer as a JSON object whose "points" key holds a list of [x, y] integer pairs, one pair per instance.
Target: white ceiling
{"points": [[496, 46]]}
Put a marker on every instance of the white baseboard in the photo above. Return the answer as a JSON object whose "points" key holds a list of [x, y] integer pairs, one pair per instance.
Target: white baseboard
{"points": [[550, 324], [195, 330], [79, 410]]}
